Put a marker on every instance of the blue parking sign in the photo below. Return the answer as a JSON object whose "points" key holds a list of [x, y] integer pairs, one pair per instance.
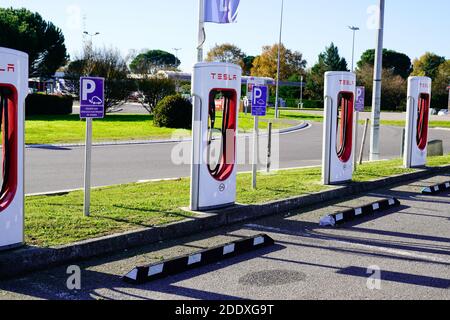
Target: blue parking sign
{"points": [[360, 99], [92, 98], [259, 101]]}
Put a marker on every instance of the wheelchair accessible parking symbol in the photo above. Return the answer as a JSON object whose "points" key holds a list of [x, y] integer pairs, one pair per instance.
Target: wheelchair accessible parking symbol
{"points": [[92, 98], [259, 101]]}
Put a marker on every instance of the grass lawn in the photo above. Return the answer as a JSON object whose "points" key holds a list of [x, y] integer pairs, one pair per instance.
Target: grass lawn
{"points": [[70, 129], [288, 114], [296, 115], [58, 220], [402, 123]]}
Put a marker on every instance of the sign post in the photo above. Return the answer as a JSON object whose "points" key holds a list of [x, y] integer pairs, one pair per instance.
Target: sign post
{"points": [[359, 107], [259, 109], [92, 106]]}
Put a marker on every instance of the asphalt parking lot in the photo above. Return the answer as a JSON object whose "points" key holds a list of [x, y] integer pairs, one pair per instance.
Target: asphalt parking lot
{"points": [[408, 246]]}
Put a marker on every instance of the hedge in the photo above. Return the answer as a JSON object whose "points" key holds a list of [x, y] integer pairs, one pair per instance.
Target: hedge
{"points": [[293, 103], [173, 112], [42, 104]]}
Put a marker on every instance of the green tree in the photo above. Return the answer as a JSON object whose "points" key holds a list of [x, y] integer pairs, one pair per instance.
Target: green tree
{"points": [[398, 62], [291, 92], [26, 31], [440, 84], [232, 54], [393, 88], [152, 61], [248, 65], [226, 52], [154, 90], [427, 65], [106, 63], [329, 60]]}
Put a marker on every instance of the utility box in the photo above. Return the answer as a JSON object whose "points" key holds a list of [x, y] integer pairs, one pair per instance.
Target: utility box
{"points": [[435, 148]]}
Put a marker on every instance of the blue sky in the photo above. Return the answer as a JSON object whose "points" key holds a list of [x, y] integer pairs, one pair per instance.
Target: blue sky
{"points": [[412, 26]]}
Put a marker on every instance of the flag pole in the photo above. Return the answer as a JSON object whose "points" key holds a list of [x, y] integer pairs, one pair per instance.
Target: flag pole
{"points": [[277, 113], [377, 78], [201, 31]]}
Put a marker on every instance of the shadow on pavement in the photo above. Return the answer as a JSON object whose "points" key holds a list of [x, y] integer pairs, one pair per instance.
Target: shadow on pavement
{"points": [[107, 284], [103, 286]]}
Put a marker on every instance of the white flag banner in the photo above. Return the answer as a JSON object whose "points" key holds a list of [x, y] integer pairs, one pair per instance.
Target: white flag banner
{"points": [[220, 11]]}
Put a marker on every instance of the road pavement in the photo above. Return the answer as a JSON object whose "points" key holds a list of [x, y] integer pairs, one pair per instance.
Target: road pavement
{"points": [[408, 247], [51, 169]]}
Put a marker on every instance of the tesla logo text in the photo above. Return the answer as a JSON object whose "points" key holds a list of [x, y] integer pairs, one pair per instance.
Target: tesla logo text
{"points": [[223, 76], [346, 82], [424, 85], [9, 68]]}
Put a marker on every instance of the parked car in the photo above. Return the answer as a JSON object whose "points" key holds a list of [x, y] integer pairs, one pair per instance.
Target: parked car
{"points": [[135, 97]]}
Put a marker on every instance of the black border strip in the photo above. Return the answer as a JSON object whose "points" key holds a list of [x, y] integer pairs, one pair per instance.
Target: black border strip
{"points": [[163, 269], [361, 212], [437, 188]]}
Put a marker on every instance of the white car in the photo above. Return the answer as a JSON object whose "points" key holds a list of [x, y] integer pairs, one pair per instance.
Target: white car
{"points": [[443, 113]]}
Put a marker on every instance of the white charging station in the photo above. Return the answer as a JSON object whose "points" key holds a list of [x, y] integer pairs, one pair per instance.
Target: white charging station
{"points": [[417, 122], [216, 95], [13, 91], [339, 122]]}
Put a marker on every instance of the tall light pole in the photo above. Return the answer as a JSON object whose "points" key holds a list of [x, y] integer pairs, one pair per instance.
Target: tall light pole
{"points": [[376, 100], [201, 31], [301, 92], [278, 62], [91, 35], [355, 139], [177, 82], [354, 29], [176, 52]]}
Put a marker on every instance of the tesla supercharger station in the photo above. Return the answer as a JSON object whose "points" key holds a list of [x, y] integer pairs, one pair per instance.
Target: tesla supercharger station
{"points": [[213, 176], [417, 122], [340, 88], [13, 91]]}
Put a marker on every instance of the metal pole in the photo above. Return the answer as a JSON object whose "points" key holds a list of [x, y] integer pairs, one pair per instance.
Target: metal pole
{"points": [[255, 153], [301, 92], [363, 144], [353, 50], [87, 168], [376, 100], [278, 63], [356, 129], [269, 148], [201, 31], [402, 150], [355, 144], [176, 52]]}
